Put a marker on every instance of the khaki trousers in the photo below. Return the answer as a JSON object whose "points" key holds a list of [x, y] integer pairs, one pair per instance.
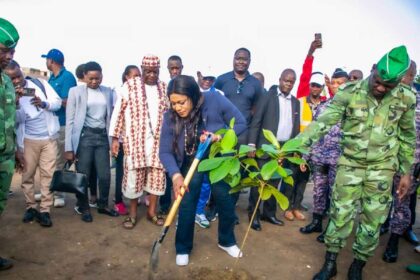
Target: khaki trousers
{"points": [[41, 154]]}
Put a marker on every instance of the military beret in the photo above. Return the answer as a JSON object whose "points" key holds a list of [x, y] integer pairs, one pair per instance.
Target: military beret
{"points": [[8, 34], [393, 65]]}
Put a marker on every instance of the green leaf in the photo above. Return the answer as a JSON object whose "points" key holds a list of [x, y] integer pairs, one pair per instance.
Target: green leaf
{"points": [[281, 171], [253, 174], [288, 171], [259, 153], [244, 149], [221, 131], [229, 140], [237, 188], [271, 138], [268, 169], [211, 163], [249, 182], [233, 180], [269, 149], [296, 160], [266, 193], [232, 123], [250, 162], [289, 180], [281, 199], [236, 166], [221, 172], [215, 149], [294, 145]]}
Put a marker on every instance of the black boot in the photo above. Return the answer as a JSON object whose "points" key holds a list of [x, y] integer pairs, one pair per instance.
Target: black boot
{"points": [[314, 226], [256, 224], [391, 251], [355, 270], [329, 269], [321, 237]]}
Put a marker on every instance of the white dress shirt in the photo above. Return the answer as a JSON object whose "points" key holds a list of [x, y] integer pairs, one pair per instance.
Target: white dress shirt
{"points": [[285, 127]]}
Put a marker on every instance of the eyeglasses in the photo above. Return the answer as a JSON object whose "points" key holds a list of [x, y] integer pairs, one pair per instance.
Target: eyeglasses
{"points": [[240, 87]]}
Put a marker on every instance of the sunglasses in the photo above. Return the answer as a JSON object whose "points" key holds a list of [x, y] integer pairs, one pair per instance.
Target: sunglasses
{"points": [[240, 87]]}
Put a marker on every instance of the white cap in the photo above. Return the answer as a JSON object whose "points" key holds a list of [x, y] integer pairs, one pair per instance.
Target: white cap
{"points": [[318, 78]]}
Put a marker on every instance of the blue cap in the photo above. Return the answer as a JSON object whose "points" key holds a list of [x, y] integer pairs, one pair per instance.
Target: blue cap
{"points": [[55, 55]]}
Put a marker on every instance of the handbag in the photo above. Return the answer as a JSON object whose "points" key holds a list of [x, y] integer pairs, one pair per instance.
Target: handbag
{"points": [[69, 181]]}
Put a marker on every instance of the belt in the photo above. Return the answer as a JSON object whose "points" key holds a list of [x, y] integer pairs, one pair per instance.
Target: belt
{"points": [[96, 130]]}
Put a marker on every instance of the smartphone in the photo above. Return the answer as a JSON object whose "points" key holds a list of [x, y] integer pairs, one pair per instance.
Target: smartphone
{"points": [[318, 36], [28, 92]]}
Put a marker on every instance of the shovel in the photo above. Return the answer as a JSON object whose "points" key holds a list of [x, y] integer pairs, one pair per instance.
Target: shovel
{"points": [[154, 256]]}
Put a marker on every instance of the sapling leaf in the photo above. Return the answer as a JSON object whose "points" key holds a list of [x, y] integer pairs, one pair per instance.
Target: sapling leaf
{"points": [[238, 188], [289, 180], [250, 162], [244, 149], [271, 138], [233, 180], [215, 148], [236, 166], [296, 160], [211, 163], [221, 172], [266, 193], [232, 123], [229, 140], [268, 169], [249, 182], [282, 172], [280, 198]]}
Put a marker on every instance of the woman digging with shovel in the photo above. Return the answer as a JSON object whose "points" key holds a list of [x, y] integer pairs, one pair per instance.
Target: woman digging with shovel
{"points": [[194, 116]]}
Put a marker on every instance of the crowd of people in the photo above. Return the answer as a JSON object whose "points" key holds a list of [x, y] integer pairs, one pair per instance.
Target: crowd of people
{"points": [[363, 136]]}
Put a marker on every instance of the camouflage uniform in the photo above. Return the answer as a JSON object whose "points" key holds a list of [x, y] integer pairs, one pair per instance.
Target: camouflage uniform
{"points": [[323, 157], [7, 136], [401, 213], [374, 135]]}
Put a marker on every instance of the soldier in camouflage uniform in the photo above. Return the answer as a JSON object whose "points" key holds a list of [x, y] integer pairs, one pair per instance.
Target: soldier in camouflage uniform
{"points": [[323, 157], [8, 40], [401, 214], [378, 140]]}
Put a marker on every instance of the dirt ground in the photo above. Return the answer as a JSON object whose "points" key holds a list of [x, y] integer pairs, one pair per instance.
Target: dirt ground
{"points": [[72, 249]]}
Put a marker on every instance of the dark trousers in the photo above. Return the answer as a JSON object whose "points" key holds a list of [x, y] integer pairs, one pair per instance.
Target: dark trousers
{"points": [[94, 149], [165, 200], [93, 180], [186, 218], [295, 193], [119, 174]]}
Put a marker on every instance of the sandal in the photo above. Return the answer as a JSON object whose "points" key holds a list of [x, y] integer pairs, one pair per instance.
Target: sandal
{"points": [[157, 220], [129, 222]]}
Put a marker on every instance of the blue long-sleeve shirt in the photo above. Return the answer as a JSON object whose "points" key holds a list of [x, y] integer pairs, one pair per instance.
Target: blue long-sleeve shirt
{"points": [[216, 113]]}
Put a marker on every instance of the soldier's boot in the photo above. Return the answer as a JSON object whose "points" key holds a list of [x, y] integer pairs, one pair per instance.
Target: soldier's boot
{"points": [[391, 251], [321, 237], [314, 226], [355, 270], [329, 269]]}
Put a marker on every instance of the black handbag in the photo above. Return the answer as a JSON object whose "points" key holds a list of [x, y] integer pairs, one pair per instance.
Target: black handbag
{"points": [[69, 181]]}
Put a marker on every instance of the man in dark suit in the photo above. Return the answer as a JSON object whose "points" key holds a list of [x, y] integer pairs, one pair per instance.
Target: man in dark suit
{"points": [[279, 112]]}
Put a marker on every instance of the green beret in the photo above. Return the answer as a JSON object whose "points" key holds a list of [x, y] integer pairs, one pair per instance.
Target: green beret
{"points": [[393, 65], [8, 34]]}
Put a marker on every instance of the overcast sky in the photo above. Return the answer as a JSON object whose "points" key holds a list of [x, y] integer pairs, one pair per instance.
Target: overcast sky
{"points": [[206, 33]]}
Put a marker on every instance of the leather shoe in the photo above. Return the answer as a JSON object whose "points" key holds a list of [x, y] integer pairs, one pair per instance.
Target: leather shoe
{"points": [[321, 237], [255, 225], [5, 263], [45, 219], [109, 212], [411, 237], [273, 220], [87, 217], [30, 215]]}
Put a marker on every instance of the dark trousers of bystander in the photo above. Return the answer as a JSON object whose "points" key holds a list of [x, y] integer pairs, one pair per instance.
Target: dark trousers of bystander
{"points": [[94, 148]]}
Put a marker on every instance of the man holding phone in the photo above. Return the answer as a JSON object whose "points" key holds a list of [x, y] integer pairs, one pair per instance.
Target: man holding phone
{"points": [[37, 132]]}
